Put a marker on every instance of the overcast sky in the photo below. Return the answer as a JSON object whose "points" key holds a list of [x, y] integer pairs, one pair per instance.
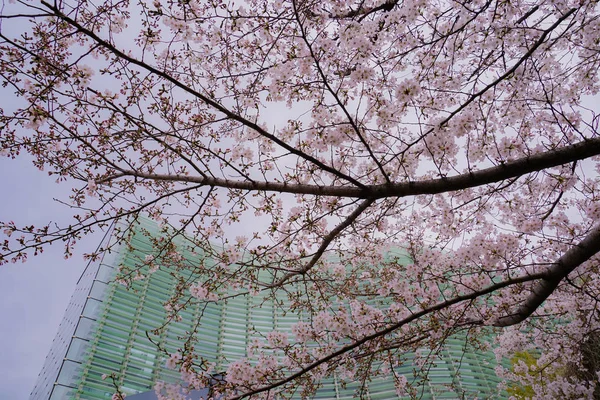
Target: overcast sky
{"points": [[34, 295]]}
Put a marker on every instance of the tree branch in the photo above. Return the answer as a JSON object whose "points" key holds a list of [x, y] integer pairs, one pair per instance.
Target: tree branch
{"points": [[211, 102], [334, 94], [326, 241], [572, 259], [391, 328], [507, 170]]}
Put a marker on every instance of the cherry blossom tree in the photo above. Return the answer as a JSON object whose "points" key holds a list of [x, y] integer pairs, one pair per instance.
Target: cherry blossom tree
{"points": [[337, 137]]}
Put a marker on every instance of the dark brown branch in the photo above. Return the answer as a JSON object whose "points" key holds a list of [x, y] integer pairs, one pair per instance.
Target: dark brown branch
{"points": [[507, 170], [572, 259], [363, 12], [326, 241], [527, 14]]}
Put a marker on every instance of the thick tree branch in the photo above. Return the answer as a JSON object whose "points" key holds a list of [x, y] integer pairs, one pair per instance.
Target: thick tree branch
{"points": [[507, 170], [566, 264], [363, 12]]}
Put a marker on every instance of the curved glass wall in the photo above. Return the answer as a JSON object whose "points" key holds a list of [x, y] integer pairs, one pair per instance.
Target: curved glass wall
{"points": [[107, 326]]}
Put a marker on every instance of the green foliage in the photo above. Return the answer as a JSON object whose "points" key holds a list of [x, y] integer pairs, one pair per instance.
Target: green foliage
{"points": [[590, 361], [516, 389]]}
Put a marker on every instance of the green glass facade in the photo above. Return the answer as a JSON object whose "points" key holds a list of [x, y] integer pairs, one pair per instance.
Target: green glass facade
{"points": [[106, 327]]}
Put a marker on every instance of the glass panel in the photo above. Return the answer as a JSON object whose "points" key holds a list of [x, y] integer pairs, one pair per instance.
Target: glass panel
{"points": [[92, 308], [98, 290], [61, 392], [77, 349], [84, 328], [105, 273], [97, 393], [69, 373]]}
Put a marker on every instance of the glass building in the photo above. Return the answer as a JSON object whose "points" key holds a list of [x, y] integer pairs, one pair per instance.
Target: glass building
{"points": [[106, 330]]}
